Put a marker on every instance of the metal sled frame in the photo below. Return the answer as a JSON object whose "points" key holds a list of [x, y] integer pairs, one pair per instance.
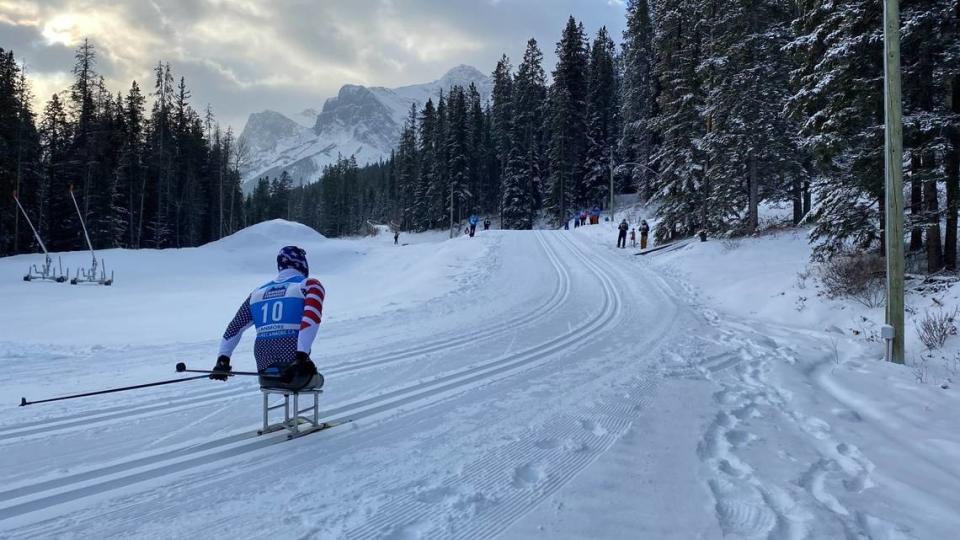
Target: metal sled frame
{"points": [[291, 423]]}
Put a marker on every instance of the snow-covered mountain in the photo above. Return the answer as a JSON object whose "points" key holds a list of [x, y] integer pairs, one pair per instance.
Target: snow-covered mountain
{"points": [[361, 121]]}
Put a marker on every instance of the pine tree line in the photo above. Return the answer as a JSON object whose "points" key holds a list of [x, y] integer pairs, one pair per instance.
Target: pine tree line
{"points": [[708, 109], [164, 178], [782, 100]]}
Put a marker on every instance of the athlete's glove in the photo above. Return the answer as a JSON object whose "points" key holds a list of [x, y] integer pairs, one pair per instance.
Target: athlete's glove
{"points": [[221, 371], [301, 367]]}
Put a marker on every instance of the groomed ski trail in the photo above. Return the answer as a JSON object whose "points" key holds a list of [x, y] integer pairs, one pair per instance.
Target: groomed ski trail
{"points": [[490, 487]]}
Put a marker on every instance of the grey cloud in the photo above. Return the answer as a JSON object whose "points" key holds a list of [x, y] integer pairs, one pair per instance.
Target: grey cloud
{"points": [[244, 56]]}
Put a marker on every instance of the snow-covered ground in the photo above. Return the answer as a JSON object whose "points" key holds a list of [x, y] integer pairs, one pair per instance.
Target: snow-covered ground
{"points": [[522, 384]]}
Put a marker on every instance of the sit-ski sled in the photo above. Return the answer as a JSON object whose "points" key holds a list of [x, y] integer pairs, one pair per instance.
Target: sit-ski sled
{"points": [[296, 422]]}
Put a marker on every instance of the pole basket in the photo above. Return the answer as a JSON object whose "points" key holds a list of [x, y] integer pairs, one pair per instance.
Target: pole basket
{"points": [[47, 272]]}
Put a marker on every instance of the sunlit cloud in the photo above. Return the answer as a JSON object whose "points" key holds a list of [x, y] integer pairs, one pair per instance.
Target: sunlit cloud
{"points": [[243, 56]]}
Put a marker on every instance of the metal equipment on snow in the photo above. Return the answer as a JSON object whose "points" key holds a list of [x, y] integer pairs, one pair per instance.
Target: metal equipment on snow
{"points": [[294, 420], [47, 272], [85, 275]]}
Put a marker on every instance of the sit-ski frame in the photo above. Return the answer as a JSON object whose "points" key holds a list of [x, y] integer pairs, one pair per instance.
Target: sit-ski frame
{"points": [[292, 423]]}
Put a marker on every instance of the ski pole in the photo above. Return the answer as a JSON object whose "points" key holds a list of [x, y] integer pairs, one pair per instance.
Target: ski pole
{"points": [[24, 402], [182, 368]]}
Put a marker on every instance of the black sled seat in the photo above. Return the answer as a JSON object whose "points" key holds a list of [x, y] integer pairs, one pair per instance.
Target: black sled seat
{"points": [[296, 421]]}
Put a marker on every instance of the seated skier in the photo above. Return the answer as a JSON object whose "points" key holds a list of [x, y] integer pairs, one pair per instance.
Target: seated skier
{"points": [[286, 313]]}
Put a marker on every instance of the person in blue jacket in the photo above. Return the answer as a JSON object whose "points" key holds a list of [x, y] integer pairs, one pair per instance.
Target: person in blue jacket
{"points": [[473, 220]]}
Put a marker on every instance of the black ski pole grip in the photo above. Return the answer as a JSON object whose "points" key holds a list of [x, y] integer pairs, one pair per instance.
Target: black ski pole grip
{"points": [[181, 367], [23, 402]]}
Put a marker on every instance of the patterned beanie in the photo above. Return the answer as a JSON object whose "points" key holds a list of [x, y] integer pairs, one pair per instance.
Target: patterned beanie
{"points": [[293, 257]]}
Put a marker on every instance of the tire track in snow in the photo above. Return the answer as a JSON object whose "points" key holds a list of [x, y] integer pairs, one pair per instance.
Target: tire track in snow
{"points": [[81, 420], [426, 393]]}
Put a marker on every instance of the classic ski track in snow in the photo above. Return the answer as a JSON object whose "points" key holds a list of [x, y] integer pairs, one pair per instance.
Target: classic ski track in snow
{"points": [[539, 466], [86, 484], [526, 318]]}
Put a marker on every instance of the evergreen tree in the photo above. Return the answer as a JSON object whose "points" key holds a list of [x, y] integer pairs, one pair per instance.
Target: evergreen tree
{"points": [[566, 123], [639, 95], [602, 119], [678, 187], [529, 104], [840, 105], [428, 166], [502, 109]]}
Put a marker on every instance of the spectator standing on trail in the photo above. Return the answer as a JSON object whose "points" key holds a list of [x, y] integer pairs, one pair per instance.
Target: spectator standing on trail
{"points": [[473, 219], [396, 237], [644, 231], [622, 236], [633, 238], [576, 221], [486, 224]]}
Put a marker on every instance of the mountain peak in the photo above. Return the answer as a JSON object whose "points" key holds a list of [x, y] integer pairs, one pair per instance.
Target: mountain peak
{"points": [[359, 121], [463, 72]]}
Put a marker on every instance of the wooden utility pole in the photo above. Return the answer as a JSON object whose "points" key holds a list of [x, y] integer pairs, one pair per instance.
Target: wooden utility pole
{"points": [[893, 165], [611, 184]]}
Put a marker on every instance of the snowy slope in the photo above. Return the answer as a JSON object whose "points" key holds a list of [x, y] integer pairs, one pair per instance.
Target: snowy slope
{"points": [[521, 383], [360, 121]]}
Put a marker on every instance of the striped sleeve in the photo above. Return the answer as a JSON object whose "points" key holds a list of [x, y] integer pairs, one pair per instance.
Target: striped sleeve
{"points": [[313, 296], [241, 321]]}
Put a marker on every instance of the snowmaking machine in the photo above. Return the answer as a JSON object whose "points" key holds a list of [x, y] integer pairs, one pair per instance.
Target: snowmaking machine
{"points": [[47, 272], [89, 275]]}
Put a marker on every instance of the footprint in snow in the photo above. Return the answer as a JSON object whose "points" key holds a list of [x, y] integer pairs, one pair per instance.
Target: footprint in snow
{"points": [[436, 495], [547, 444], [593, 427], [738, 438], [411, 531], [848, 415], [528, 476]]}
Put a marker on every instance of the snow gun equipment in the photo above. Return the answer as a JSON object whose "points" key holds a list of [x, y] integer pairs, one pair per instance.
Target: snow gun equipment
{"points": [[89, 275], [47, 272], [24, 402]]}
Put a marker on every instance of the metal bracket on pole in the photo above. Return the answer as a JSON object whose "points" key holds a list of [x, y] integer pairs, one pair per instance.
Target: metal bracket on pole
{"points": [[887, 333]]}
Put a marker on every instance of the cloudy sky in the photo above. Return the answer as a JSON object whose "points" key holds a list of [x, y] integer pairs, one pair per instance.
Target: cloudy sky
{"points": [[243, 56]]}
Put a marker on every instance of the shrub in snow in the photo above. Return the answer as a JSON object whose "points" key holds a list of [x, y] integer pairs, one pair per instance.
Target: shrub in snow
{"points": [[802, 277], [935, 327], [730, 244], [855, 275]]}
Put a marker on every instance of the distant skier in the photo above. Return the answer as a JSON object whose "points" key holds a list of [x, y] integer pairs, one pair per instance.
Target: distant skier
{"points": [[644, 231], [583, 217], [286, 313], [622, 236], [486, 224], [396, 237], [473, 219], [633, 238]]}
